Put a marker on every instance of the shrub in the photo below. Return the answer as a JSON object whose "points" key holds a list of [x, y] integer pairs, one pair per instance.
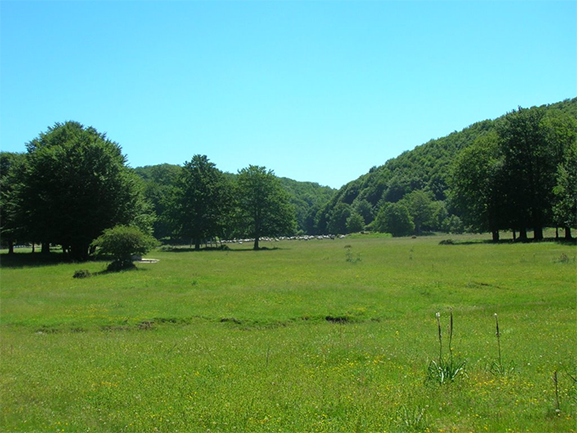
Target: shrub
{"points": [[82, 273], [123, 242]]}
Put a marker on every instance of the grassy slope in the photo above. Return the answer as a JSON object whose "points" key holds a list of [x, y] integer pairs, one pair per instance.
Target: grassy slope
{"points": [[240, 340]]}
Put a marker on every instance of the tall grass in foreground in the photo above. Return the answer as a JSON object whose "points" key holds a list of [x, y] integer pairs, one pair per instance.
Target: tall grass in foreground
{"points": [[292, 339]]}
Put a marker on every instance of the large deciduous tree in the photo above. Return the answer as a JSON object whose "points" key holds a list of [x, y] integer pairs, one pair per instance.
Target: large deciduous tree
{"points": [[264, 207], [74, 184], [355, 223], [200, 202], [476, 189], [529, 168], [158, 182]]}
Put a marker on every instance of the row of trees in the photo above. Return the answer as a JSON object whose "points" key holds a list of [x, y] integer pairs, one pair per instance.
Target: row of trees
{"points": [[205, 204], [516, 173], [521, 176], [160, 180], [73, 183]]}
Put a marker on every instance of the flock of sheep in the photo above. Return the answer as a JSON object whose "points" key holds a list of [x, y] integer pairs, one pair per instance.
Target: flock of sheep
{"points": [[285, 238]]}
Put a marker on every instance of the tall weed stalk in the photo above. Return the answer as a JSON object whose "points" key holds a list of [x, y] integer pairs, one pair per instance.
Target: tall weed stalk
{"points": [[445, 371], [498, 368]]}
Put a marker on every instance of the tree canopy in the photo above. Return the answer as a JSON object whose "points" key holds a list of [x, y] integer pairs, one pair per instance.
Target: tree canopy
{"points": [[200, 201], [517, 177], [122, 243], [72, 185], [264, 208]]}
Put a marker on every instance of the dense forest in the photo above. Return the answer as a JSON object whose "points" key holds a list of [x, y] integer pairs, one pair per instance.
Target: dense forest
{"points": [[423, 180], [516, 173]]}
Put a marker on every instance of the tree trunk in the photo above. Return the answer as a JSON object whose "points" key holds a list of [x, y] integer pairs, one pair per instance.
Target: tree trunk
{"points": [[514, 235], [523, 234], [45, 248], [568, 236], [556, 233], [197, 244], [10, 247], [538, 233], [256, 243], [79, 252], [495, 235]]}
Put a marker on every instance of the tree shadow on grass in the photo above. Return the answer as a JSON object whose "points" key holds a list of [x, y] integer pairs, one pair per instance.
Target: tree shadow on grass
{"points": [[27, 260], [33, 260], [119, 271], [560, 241]]}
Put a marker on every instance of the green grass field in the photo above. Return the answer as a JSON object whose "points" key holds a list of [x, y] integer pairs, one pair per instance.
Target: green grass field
{"points": [[327, 336]]}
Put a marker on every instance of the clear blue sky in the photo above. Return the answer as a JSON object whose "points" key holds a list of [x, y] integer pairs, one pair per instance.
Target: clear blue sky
{"points": [[316, 91]]}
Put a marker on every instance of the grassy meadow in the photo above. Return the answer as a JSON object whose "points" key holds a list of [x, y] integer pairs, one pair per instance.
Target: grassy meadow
{"points": [[306, 336]]}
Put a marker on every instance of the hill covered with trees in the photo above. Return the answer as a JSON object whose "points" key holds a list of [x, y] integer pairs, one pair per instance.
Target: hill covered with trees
{"points": [[414, 191]]}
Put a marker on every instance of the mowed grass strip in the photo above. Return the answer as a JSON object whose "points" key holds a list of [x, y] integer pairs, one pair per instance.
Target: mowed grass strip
{"points": [[294, 338]]}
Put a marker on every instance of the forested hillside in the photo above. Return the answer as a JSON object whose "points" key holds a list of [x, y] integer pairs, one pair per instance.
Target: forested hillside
{"points": [[426, 169], [307, 198]]}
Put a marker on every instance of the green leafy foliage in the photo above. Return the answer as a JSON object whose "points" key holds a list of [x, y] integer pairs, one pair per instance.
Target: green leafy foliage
{"points": [[121, 243], [306, 198], [476, 184], [565, 208], [511, 179], [200, 201], [338, 218], [355, 223], [420, 207], [364, 209], [428, 168], [264, 208], [72, 185], [394, 218], [529, 164], [158, 181]]}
